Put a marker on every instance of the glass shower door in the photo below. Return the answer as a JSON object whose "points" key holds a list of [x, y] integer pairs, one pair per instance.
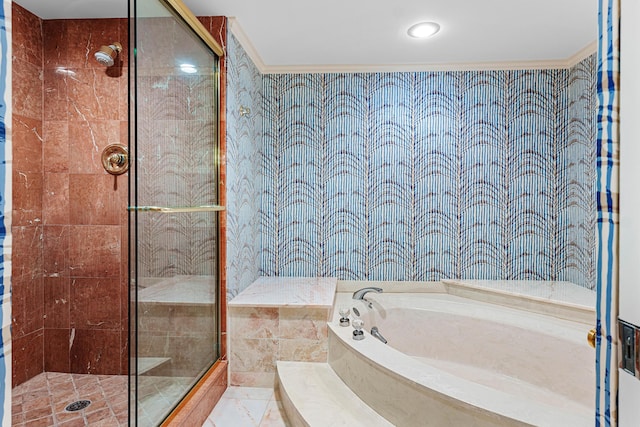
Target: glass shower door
{"points": [[173, 210]]}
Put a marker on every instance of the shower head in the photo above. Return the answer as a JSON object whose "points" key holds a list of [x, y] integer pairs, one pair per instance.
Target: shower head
{"points": [[106, 55]]}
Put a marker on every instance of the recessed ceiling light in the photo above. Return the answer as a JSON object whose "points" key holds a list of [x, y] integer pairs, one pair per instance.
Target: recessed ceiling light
{"points": [[423, 30]]}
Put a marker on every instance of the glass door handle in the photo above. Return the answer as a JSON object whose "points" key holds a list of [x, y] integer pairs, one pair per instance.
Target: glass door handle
{"points": [[182, 209]]}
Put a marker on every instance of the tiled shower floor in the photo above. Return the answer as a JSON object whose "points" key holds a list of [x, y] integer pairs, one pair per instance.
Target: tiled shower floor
{"points": [[41, 401]]}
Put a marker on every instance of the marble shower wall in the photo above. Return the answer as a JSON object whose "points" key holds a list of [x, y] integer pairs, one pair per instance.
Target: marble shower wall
{"points": [[27, 291], [84, 208], [430, 175], [244, 169], [70, 270]]}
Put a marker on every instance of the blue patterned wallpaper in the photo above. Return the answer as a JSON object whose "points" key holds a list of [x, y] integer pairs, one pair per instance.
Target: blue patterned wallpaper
{"points": [[244, 164], [578, 213], [430, 175]]}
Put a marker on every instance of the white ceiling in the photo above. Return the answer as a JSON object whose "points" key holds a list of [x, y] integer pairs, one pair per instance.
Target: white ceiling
{"points": [[372, 33]]}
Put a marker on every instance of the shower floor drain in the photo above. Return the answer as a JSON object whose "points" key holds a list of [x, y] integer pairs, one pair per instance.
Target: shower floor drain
{"points": [[77, 406]]}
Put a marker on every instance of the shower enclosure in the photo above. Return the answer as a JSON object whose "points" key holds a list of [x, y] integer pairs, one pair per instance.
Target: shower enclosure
{"points": [[173, 207]]}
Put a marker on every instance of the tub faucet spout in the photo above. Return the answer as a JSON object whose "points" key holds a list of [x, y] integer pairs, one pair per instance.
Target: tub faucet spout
{"points": [[360, 293]]}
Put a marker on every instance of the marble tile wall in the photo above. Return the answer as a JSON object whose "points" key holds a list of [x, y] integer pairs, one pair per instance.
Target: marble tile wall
{"points": [[276, 319], [70, 275], [84, 208], [183, 333], [27, 214], [260, 336]]}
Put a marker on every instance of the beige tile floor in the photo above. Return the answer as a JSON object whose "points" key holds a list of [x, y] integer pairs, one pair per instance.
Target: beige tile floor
{"points": [[41, 402], [248, 407]]}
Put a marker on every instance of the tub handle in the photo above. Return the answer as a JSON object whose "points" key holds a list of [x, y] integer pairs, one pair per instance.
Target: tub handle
{"points": [[591, 337]]}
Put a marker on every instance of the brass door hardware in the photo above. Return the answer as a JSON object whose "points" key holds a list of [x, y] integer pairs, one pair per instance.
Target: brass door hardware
{"points": [[183, 209], [591, 337], [115, 159]]}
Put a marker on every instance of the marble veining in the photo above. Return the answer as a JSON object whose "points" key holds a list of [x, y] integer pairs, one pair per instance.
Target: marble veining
{"points": [[278, 318], [248, 406], [288, 291], [68, 218]]}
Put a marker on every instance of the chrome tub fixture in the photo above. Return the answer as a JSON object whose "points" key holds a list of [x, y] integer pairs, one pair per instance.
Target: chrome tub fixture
{"points": [[376, 333], [360, 293]]}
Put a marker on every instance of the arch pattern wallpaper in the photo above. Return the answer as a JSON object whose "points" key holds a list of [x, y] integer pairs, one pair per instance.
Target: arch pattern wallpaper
{"points": [[244, 168], [431, 175]]}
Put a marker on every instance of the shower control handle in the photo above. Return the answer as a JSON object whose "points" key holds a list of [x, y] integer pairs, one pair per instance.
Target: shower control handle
{"points": [[115, 159]]}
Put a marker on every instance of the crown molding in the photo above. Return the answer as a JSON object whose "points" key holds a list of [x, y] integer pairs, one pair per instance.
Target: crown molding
{"points": [[583, 53], [242, 38]]}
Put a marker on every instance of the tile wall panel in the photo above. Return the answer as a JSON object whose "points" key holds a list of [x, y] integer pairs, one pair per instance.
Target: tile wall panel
{"points": [[27, 292], [68, 207], [83, 205]]}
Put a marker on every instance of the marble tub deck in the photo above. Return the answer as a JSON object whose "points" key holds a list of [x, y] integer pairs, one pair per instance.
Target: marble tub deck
{"points": [[303, 292]]}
